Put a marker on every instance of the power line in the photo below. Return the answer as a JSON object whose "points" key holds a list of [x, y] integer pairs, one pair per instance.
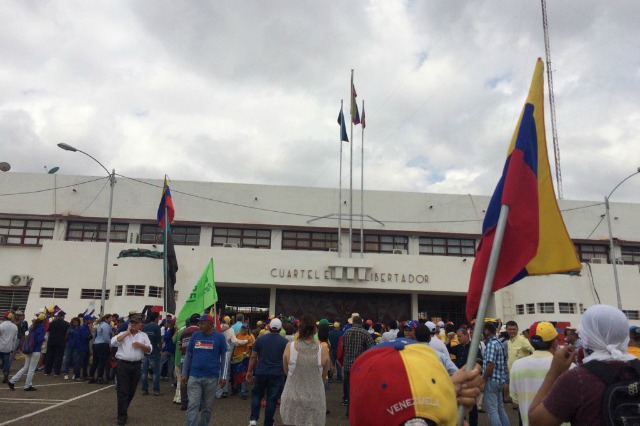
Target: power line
{"points": [[51, 189]]}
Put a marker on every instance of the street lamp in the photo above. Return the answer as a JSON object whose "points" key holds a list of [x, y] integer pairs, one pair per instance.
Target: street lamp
{"points": [[112, 182], [613, 259]]}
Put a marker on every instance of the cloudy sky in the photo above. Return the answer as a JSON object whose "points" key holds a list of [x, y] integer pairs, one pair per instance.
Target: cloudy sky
{"points": [[249, 91]]}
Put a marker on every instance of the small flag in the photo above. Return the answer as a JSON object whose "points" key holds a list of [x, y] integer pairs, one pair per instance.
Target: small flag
{"points": [[172, 268], [355, 117], [202, 296], [343, 128], [165, 201], [535, 241]]}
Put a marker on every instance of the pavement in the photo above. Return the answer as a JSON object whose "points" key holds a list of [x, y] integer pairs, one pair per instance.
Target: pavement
{"points": [[64, 402]]}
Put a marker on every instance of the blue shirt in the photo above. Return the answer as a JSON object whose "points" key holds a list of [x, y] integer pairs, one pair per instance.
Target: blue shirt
{"points": [[84, 336], [237, 327], [205, 355], [169, 345], [155, 334], [270, 348], [103, 335], [495, 353], [72, 338], [38, 338]]}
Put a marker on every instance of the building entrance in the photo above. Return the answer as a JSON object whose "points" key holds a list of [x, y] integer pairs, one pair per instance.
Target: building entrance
{"points": [[442, 308], [253, 303]]}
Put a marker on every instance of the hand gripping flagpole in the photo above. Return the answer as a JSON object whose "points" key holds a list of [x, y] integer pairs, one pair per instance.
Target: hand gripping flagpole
{"points": [[486, 294]]}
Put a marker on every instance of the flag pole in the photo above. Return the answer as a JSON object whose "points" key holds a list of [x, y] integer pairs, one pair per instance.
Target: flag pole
{"points": [[165, 262], [340, 183], [362, 186], [486, 294], [351, 174]]}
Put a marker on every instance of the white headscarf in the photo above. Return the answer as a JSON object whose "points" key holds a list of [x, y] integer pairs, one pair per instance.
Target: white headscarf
{"points": [[605, 331]]}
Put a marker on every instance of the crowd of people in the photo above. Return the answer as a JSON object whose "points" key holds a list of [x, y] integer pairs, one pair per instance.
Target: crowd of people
{"points": [[399, 373]]}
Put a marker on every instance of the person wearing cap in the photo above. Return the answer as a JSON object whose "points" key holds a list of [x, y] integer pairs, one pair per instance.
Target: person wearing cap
{"points": [[168, 349], [8, 338], [31, 359], [132, 346], [527, 374], [409, 329], [416, 391], [82, 348], [240, 361], [231, 340], [423, 335], [575, 395], [355, 341], [440, 333], [205, 368], [266, 370], [56, 344], [494, 371], [572, 338], [71, 344], [152, 360], [435, 342], [256, 331], [460, 356], [634, 341], [334, 338]]}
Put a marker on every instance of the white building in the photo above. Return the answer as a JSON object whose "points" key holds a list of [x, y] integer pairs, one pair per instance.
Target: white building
{"points": [[274, 250]]}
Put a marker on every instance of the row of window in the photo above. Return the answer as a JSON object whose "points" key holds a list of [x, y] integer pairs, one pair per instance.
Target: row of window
{"points": [[96, 293], [550, 308], [34, 232]]}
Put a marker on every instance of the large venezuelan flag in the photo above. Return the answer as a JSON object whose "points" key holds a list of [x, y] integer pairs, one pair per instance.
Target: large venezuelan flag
{"points": [[535, 240], [165, 201]]}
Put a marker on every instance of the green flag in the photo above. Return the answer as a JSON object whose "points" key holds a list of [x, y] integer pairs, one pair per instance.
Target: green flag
{"points": [[202, 296]]}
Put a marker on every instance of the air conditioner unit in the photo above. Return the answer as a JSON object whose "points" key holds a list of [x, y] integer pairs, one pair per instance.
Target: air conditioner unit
{"points": [[599, 260], [230, 245], [20, 280], [3, 240], [399, 251]]}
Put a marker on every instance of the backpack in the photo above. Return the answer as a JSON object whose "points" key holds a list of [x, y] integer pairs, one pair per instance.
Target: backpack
{"points": [[29, 342], [621, 398]]}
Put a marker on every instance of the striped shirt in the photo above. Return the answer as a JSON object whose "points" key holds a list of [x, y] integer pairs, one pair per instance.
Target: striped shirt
{"points": [[494, 352], [527, 375], [355, 341]]}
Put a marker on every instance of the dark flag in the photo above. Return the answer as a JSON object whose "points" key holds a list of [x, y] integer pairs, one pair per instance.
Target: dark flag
{"points": [[172, 268]]}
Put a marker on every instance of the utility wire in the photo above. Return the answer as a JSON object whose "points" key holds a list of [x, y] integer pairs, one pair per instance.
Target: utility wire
{"points": [[52, 189]]}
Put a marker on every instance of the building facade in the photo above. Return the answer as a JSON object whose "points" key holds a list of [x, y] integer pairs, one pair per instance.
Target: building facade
{"points": [[276, 250]]}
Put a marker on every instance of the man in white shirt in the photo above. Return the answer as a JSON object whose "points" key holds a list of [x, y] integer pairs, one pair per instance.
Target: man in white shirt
{"points": [[132, 345], [435, 343], [232, 341], [392, 334], [8, 338]]}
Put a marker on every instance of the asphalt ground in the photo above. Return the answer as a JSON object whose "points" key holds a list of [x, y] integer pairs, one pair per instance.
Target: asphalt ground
{"points": [[64, 402]]}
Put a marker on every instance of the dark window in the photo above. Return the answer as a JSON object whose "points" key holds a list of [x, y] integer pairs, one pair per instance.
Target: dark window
{"points": [[531, 308], [26, 232], [318, 241], [632, 315], [380, 243], [182, 235], [135, 290], [118, 290], [566, 308], [546, 308], [13, 297], [447, 246], [95, 231], [590, 251], [93, 293], [155, 291], [520, 309], [239, 237], [54, 293], [631, 255]]}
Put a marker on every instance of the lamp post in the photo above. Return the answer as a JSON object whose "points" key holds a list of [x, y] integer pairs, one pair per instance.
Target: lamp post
{"points": [[613, 259], [112, 182]]}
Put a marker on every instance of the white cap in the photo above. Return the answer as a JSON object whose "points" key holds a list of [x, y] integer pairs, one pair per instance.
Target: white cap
{"points": [[503, 329], [441, 324], [275, 324], [431, 326]]}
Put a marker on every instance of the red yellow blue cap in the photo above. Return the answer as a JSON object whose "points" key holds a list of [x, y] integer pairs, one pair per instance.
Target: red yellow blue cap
{"points": [[419, 388]]}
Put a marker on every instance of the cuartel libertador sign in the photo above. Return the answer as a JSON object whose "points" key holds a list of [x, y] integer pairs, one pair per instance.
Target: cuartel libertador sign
{"points": [[326, 274]]}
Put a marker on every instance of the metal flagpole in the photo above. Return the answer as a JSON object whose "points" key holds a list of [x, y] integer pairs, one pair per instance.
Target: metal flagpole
{"points": [[340, 182], [351, 172], [362, 187], [486, 294]]}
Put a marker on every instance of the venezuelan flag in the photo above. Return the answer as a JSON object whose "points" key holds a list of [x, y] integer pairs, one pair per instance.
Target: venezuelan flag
{"points": [[535, 241], [165, 201]]}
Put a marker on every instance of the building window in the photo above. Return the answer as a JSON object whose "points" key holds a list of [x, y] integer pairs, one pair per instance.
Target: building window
{"points": [[118, 290], [10, 297], [531, 308], [591, 251], [182, 235], [447, 246], [26, 232], [566, 308], [381, 243], [95, 231], [631, 255], [54, 293], [546, 308], [155, 291], [632, 315], [520, 309], [318, 241], [93, 293], [237, 237], [135, 290], [581, 308]]}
